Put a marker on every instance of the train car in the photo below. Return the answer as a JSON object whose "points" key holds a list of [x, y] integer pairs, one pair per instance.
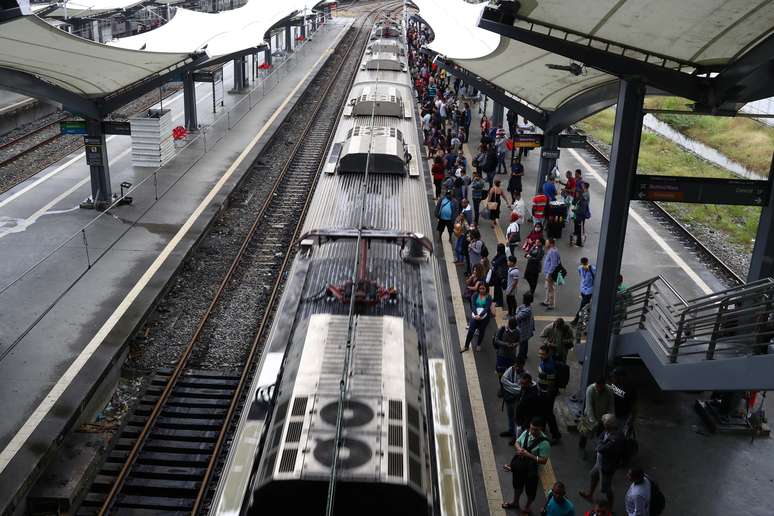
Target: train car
{"points": [[354, 405]]}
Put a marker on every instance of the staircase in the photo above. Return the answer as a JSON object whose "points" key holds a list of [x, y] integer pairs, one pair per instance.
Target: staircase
{"points": [[721, 341]]}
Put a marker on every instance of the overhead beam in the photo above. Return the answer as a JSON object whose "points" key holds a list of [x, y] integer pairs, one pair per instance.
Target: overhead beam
{"points": [[751, 77], [677, 83], [26, 84]]}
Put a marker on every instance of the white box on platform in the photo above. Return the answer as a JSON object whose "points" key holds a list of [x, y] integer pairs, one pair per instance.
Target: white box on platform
{"points": [[152, 143]]}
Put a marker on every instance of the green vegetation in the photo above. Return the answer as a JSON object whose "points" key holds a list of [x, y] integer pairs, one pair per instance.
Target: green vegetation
{"points": [[744, 140], [660, 156]]}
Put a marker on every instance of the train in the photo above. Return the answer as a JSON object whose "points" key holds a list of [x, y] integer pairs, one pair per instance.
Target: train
{"points": [[354, 406]]}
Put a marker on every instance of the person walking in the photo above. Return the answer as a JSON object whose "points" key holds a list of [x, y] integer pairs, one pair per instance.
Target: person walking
{"points": [[587, 274], [483, 310], [551, 263], [532, 451], [446, 209], [506, 341], [512, 283], [518, 207], [493, 200], [557, 503], [477, 186], [534, 264], [489, 166], [526, 322], [609, 453], [637, 501]]}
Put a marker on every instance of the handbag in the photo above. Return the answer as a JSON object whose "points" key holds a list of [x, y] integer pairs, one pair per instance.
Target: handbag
{"points": [[491, 205]]}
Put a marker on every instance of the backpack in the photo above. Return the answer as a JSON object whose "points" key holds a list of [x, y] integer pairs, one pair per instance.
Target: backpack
{"points": [[562, 375], [657, 498], [484, 250], [513, 238]]}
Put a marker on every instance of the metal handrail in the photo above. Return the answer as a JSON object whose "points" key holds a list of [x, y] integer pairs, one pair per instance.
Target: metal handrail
{"points": [[730, 321]]}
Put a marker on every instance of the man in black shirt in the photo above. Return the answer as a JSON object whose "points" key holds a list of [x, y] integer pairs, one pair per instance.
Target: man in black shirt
{"points": [[624, 400]]}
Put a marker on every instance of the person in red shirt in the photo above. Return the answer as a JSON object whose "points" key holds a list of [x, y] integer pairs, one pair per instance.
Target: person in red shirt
{"points": [[569, 186], [439, 175], [539, 203]]}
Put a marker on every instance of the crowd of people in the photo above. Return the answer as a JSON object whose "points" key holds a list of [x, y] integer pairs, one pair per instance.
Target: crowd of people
{"points": [[467, 189]]}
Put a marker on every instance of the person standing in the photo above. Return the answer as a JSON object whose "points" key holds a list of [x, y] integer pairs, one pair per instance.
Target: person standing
{"points": [[532, 450], [439, 173], [549, 189], [551, 262], [582, 212], [499, 275], [609, 452], [517, 207], [526, 322], [624, 401], [512, 283], [477, 186], [599, 401], [558, 335], [548, 390], [483, 310], [637, 501], [534, 264], [513, 234], [475, 248], [489, 167], [505, 342], [493, 200], [587, 274], [557, 503], [510, 384], [446, 209], [468, 119]]}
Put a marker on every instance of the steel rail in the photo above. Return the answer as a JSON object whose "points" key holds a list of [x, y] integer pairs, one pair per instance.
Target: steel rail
{"points": [[188, 351], [712, 257]]}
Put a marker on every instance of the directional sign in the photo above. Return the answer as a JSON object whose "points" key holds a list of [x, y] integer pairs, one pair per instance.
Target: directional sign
{"points": [[72, 127], [93, 148], [527, 141], [550, 154], [575, 141], [738, 192]]}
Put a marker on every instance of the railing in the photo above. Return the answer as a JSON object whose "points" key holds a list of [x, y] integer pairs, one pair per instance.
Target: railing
{"points": [[55, 270], [734, 322]]}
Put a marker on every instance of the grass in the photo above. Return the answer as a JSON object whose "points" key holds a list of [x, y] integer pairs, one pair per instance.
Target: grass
{"points": [[660, 156], [744, 140]]}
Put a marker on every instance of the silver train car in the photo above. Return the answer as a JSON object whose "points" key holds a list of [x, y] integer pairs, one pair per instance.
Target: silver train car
{"points": [[400, 446]]}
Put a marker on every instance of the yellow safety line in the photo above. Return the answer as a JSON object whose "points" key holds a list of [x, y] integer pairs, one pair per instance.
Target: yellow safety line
{"points": [[494, 496]]}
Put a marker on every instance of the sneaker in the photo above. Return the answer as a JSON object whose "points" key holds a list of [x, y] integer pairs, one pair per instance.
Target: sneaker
{"points": [[549, 307], [543, 303]]}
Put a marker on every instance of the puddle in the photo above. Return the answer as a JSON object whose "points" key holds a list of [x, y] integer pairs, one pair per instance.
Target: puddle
{"points": [[701, 150]]}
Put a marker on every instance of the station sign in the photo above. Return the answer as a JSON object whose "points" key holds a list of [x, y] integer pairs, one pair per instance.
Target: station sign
{"points": [[108, 127], [737, 192], [94, 152], [550, 154], [208, 74], [527, 141], [72, 127], [572, 141]]}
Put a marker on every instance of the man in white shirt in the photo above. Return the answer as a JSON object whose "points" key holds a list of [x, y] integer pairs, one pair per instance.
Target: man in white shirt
{"points": [[519, 208], [638, 495]]}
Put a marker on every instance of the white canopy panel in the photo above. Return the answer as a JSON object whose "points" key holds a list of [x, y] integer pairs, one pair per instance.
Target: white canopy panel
{"points": [[29, 44], [456, 34], [515, 67], [222, 33], [704, 32], [84, 8]]}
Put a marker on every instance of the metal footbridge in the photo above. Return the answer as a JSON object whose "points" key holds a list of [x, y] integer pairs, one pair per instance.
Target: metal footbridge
{"points": [[720, 341]]}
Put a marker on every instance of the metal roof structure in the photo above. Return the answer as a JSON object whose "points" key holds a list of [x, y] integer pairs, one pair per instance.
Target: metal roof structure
{"points": [[39, 60], [92, 8], [677, 47]]}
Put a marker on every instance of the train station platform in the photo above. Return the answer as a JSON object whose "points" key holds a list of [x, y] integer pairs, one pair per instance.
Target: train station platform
{"points": [[77, 284], [671, 435], [18, 110]]}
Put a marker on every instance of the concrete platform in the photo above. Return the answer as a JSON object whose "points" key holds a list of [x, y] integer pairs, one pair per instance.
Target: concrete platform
{"points": [[18, 110], [701, 475], [64, 323]]}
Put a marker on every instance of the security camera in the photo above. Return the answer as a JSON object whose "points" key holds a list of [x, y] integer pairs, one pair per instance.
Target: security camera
{"points": [[574, 68]]}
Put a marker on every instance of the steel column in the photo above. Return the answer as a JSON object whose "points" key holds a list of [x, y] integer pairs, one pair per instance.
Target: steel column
{"points": [[550, 143], [762, 260], [288, 39], [623, 167], [267, 54], [101, 192], [240, 77], [189, 102], [303, 27], [498, 114]]}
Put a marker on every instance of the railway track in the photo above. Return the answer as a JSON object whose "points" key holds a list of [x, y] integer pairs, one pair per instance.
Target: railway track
{"points": [[170, 447], [711, 258], [29, 142]]}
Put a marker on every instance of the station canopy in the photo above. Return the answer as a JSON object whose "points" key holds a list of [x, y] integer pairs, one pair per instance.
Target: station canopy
{"points": [[31, 46], [718, 52], [217, 34], [92, 8]]}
